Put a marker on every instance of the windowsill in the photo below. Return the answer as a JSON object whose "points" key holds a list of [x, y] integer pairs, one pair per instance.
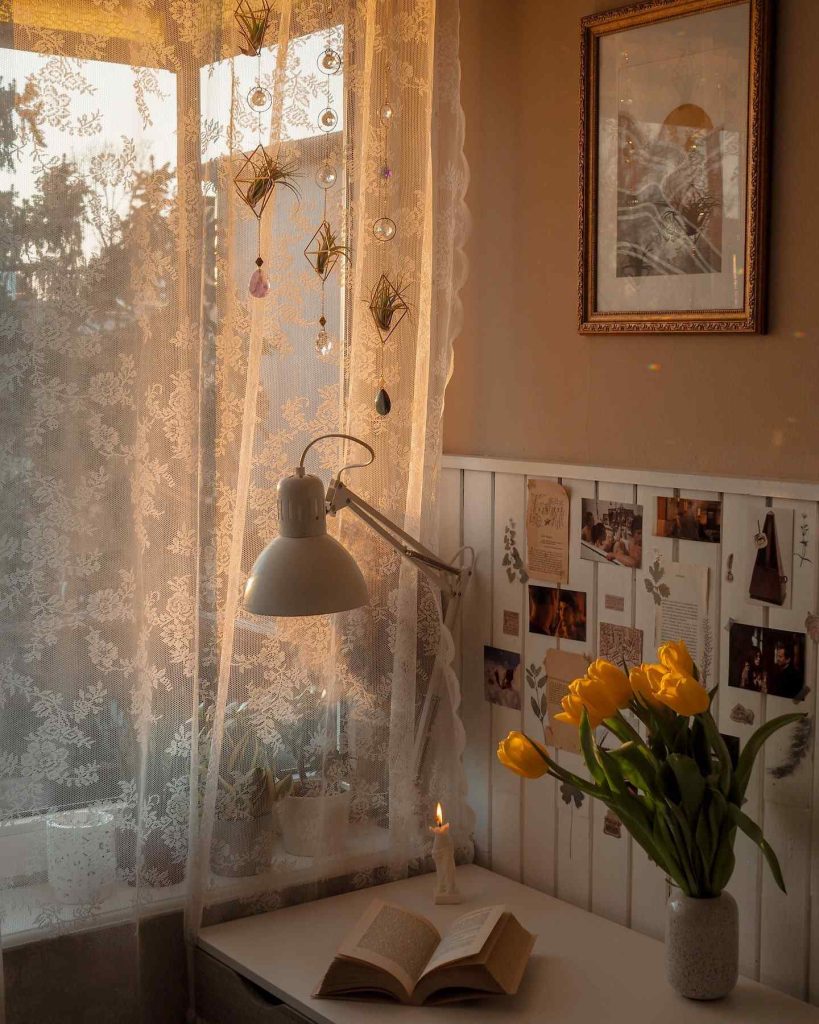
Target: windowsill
{"points": [[31, 912]]}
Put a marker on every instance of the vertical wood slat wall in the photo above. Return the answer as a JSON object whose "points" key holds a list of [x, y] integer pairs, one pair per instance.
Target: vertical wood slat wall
{"points": [[526, 830]]}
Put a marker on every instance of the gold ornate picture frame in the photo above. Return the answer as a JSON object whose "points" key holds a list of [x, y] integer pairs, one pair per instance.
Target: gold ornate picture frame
{"points": [[674, 112]]}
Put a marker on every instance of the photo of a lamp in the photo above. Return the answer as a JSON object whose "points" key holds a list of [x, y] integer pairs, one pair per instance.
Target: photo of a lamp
{"points": [[304, 571]]}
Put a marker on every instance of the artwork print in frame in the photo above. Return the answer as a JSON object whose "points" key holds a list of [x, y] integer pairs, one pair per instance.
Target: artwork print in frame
{"points": [[674, 167]]}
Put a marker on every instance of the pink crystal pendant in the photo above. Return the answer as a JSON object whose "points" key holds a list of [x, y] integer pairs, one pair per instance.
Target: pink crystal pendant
{"points": [[259, 286]]}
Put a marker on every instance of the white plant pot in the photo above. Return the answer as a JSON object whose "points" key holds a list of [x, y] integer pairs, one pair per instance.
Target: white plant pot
{"points": [[82, 862], [243, 847], [313, 824]]}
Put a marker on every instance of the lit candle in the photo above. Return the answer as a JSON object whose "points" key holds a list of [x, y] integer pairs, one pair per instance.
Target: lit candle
{"points": [[443, 854]]}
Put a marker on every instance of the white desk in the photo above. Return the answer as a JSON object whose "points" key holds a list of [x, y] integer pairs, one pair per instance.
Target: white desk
{"points": [[584, 969]]}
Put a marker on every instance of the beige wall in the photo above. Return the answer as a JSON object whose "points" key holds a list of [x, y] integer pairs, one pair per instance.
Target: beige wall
{"points": [[526, 384]]}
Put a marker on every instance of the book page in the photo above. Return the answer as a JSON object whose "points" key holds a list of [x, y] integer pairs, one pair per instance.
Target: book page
{"points": [[547, 531], [394, 939], [466, 937]]}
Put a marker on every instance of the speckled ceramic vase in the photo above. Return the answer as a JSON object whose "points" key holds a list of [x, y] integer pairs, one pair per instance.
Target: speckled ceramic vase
{"points": [[702, 945]]}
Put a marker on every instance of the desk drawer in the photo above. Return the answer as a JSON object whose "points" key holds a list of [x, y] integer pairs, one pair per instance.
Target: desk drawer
{"points": [[225, 997]]}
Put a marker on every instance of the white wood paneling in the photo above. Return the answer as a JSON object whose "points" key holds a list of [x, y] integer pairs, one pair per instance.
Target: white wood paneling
{"points": [[540, 796], [508, 590], [528, 831], [612, 854], [476, 630]]}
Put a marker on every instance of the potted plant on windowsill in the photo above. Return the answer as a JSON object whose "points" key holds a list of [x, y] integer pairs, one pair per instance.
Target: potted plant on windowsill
{"points": [[316, 811], [248, 792], [678, 793]]}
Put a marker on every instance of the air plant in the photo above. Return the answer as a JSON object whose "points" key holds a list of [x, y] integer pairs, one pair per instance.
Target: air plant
{"points": [[387, 299], [275, 173], [327, 248], [253, 25], [260, 174]]}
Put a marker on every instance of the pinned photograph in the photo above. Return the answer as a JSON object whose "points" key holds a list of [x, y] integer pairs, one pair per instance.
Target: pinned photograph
{"points": [[612, 532], [501, 677], [555, 611], [766, 660], [689, 519]]}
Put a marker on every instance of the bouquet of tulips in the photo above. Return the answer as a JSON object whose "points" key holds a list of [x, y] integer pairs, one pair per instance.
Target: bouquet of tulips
{"points": [[677, 790]]}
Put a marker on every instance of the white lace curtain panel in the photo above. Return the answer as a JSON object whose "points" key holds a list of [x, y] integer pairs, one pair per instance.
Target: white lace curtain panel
{"points": [[157, 742]]}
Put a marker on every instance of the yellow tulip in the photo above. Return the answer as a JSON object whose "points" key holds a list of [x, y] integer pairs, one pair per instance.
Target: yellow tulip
{"points": [[520, 754], [674, 657], [683, 694], [645, 681], [612, 679], [603, 691]]}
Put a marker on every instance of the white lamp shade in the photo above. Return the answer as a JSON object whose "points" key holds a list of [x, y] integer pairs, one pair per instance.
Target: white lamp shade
{"points": [[304, 576], [304, 571]]}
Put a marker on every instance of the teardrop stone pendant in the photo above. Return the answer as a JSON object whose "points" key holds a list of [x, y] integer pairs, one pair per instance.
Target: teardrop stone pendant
{"points": [[382, 402]]}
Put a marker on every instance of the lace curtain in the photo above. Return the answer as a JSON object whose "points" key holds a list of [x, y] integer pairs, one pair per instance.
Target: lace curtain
{"points": [[157, 742]]}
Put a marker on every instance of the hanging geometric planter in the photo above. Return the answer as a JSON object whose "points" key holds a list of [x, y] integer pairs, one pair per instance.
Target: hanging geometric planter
{"points": [[323, 250], [258, 176], [253, 20], [387, 306]]}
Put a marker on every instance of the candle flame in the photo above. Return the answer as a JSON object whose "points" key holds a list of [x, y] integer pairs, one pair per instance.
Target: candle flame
{"points": [[439, 815]]}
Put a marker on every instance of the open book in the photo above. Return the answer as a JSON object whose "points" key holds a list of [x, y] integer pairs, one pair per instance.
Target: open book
{"points": [[395, 952]]}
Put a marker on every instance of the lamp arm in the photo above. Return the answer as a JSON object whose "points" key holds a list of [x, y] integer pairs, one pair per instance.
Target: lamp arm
{"points": [[445, 575]]}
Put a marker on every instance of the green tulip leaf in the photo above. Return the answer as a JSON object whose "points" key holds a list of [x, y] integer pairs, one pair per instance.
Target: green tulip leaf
{"points": [[691, 783], [754, 833]]}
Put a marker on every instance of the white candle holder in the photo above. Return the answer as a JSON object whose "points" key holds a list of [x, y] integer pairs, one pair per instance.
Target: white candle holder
{"points": [[82, 863], [443, 854]]}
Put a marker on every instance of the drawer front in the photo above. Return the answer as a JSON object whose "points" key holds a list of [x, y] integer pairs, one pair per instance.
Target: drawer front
{"points": [[225, 997]]}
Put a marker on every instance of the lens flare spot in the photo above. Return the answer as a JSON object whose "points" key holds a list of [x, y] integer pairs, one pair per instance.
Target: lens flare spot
{"points": [[800, 334], [654, 367]]}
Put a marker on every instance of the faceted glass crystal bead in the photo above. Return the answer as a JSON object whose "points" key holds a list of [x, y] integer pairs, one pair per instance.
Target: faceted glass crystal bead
{"points": [[324, 343], [328, 119], [386, 112], [326, 176], [329, 61], [259, 98], [384, 229], [382, 402]]}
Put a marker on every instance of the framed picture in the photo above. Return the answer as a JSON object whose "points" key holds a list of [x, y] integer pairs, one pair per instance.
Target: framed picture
{"points": [[673, 167]]}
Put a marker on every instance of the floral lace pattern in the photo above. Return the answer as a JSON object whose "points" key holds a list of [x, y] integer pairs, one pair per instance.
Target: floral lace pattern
{"points": [[149, 407]]}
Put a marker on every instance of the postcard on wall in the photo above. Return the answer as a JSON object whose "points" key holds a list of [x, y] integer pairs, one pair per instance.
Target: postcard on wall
{"points": [[767, 660], [547, 531], [612, 532], [501, 677], [562, 668], [689, 519], [683, 611], [556, 611], [621, 645]]}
